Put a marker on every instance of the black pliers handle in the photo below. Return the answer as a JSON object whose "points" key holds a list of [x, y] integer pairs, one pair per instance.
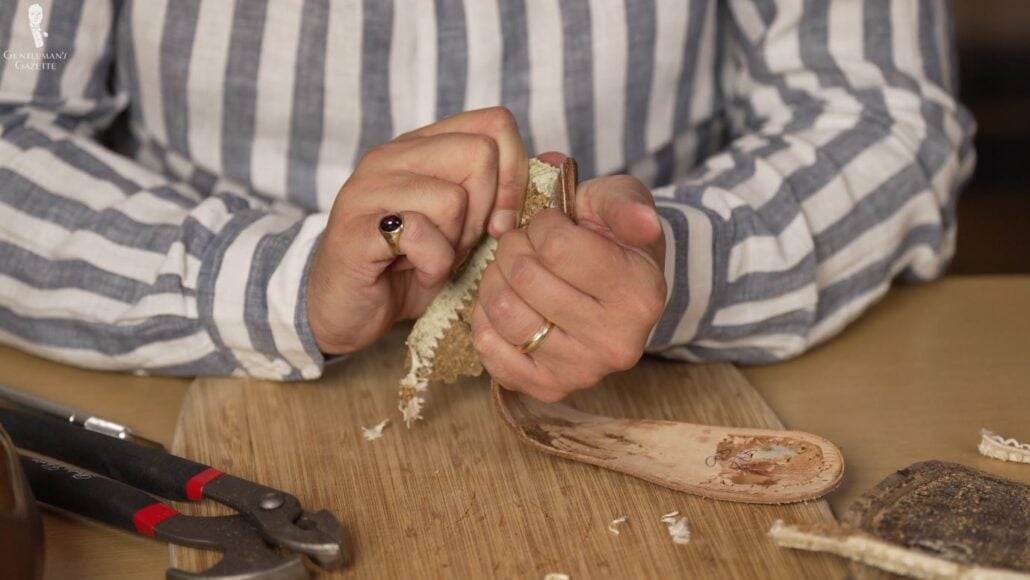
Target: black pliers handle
{"points": [[245, 554], [277, 515]]}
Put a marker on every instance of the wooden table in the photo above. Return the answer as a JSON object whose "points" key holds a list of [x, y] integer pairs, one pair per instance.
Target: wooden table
{"points": [[914, 379]]}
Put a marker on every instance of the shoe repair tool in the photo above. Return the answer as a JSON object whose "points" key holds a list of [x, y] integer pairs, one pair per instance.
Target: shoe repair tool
{"points": [[276, 515], [245, 554], [930, 520], [727, 463], [21, 530], [75, 416]]}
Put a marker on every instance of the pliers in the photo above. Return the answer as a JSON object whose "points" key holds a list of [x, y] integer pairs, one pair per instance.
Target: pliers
{"points": [[271, 515]]}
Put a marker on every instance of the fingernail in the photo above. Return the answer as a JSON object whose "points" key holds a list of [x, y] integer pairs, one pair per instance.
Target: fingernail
{"points": [[552, 158], [502, 221]]}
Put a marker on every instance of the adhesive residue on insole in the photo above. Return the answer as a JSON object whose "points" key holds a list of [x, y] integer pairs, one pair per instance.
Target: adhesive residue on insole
{"points": [[766, 460]]}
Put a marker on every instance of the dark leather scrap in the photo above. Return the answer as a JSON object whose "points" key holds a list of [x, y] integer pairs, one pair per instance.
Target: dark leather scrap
{"points": [[950, 511]]}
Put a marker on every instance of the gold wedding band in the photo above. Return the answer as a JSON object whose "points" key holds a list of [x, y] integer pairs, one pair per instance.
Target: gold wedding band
{"points": [[391, 227], [537, 339]]}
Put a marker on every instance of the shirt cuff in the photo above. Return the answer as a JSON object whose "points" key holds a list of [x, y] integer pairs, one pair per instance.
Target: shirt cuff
{"points": [[252, 294], [693, 237]]}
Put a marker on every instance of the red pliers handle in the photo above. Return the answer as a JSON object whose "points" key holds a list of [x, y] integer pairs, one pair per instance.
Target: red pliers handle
{"points": [[277, 515]]}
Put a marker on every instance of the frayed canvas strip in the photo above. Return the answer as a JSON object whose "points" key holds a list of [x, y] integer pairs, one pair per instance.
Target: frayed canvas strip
{"points": [[424, 339], [997, 447]]}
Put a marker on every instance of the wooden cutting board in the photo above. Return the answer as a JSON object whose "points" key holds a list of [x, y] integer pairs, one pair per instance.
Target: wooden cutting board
{"points": [[458, 496]]}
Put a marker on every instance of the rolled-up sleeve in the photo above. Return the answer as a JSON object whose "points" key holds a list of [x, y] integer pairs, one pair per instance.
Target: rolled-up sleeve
{"points": [[848, 152], [107, 264]]}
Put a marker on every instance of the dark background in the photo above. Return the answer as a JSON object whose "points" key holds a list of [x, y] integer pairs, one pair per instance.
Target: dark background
{"points": [[994, 68]]}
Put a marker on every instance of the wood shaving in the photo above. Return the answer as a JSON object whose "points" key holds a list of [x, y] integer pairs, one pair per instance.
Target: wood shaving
{"points": [[679, 528], [872, 551], [997, 447], [557, 576], [613, 526], [374, 432]]}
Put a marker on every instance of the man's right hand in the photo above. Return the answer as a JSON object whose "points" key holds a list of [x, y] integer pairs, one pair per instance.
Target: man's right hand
{"points": [[449, 182]]}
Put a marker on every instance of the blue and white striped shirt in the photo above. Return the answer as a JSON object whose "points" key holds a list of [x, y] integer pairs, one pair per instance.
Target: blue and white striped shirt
{"points": [[803, 154]]}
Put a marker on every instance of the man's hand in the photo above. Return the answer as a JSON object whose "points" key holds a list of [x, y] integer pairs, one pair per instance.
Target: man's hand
{"points": [[449, 182], [600, 282]]}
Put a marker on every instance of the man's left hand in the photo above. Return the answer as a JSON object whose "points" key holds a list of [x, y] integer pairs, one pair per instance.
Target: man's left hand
{"points": [[600, 281]]}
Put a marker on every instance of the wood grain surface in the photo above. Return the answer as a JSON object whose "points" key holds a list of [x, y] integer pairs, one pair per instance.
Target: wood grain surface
{"points": [[914, 379], [459, 496]]}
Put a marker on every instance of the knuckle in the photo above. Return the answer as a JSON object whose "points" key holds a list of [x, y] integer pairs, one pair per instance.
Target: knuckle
{"points": [[473, 233], [645, 305], [655, 302], [454, 202], [546, 387], [524, 271], [618, 185], [484, 147], [554, 247], [355, 268], [583, 378], [507, 246], [507, 178], [481, 341], [414, 229], [499, 118], [479, 144], [502, 307], [542, 379], [377, 153], [546, 395], [625, 182], [621, 356], [439, 266], [351, 188]]}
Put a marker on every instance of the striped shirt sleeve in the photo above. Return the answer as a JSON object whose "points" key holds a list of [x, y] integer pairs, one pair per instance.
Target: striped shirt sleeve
{"points": [[107, 264], [848, 149]]}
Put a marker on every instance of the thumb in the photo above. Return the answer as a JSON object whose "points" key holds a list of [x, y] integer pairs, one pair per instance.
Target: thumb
{"points": [[620, 207]]}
